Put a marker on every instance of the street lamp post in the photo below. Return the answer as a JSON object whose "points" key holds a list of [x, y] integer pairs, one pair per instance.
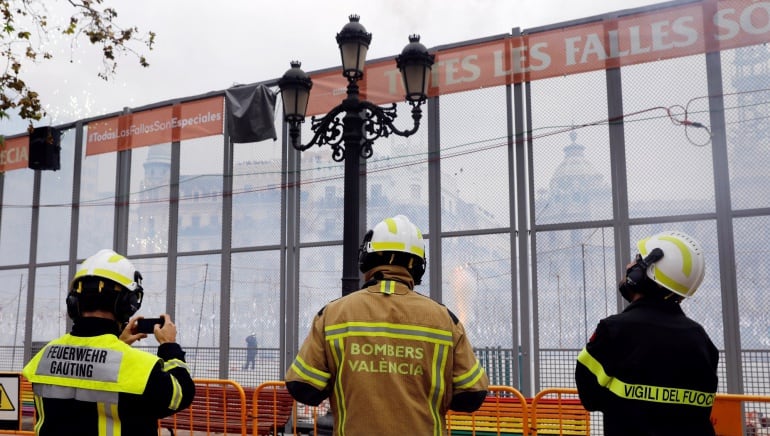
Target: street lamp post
{"points": [[351, 136]]}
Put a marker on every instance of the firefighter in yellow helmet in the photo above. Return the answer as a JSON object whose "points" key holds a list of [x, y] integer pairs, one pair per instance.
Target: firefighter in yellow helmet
{"points": [[390, 360], [91, 382], [651, 370]]}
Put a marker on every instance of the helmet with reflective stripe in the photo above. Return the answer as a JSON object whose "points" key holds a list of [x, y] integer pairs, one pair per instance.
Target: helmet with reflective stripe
{"points": [[394, 235], [108, 264], [682, 267], [106, 279]]}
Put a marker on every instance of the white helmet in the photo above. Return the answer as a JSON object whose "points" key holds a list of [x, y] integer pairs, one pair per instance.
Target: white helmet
{"points": [[396, 234], [682, 267], [122, 290], [110, 265]]}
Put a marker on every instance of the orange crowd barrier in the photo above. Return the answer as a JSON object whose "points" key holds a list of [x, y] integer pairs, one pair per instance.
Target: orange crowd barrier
{"points": [[731, 413], [223, 406], [504, 412], [559, 412], [272, 407], [219, 406]]}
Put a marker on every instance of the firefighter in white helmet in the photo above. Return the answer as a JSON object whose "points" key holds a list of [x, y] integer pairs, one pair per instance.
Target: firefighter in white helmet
{"points": [[91, 382], [390, 360], [651, 370]]}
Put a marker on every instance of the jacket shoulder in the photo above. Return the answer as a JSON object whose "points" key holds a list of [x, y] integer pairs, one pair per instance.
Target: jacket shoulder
{"points": [[441, 306]]}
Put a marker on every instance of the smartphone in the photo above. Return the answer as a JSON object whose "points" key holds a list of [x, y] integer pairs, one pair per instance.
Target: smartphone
{"points": [[147, 325]]}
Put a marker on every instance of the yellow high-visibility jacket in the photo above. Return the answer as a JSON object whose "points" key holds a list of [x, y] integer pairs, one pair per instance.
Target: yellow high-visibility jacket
{"points": [[90, 383]]}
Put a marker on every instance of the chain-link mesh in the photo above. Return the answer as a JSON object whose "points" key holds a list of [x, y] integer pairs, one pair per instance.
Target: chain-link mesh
{"points": [[255, 307], [16, 224], [477, 287], [571, 167], [746, 81], [197, 311], [319, 283], [669, 167], [148, 225], [397, 177], [576, 284], [752, 273], [322, 199], [616, 155], [97, 204], [257, 193], [474, 160], [13, 310], [266, 366]]}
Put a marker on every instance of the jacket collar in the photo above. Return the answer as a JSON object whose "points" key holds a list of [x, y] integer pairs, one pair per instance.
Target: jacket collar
{"points": [[668, 306], [388, 272], [91, 326]]}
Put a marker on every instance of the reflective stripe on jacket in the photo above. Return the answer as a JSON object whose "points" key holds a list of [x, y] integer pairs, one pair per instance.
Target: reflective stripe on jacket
{"points": [[90, 383], [102, 363]]}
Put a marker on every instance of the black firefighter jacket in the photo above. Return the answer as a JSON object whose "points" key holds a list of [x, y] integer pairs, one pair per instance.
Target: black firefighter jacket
{"points": [[651, 370]]}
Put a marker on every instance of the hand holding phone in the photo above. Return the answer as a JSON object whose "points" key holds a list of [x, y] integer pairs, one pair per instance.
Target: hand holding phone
{"points": [[147, 325]]}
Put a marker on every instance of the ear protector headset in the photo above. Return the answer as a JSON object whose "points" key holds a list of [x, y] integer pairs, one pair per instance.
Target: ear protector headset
{"points": [[126, 302], [637, 273]]}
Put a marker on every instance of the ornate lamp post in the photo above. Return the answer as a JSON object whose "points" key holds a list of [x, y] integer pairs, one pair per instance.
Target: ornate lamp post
{"points": [[351, 136]]}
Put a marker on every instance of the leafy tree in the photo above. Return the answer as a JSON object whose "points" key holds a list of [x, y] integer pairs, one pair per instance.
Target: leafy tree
{"points": [[26, 28]]}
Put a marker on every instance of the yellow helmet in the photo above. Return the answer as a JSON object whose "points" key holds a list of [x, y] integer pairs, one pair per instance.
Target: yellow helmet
{"points": [[682, 267]]}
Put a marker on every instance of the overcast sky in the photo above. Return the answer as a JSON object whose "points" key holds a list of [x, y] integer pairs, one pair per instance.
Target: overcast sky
{"points": [[204, 46]]}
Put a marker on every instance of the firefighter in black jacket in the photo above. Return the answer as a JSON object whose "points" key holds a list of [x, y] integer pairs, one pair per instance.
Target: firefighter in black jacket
{"points": [[91, 382], [651, 370]]}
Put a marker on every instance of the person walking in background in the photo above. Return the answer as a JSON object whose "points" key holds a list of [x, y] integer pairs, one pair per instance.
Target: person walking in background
{"points": [[651, 370], [91, 382], [391, 361], [251, 352]]}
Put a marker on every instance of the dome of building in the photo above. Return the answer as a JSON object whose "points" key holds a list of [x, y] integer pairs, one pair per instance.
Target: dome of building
{"points": [[575, 172], [159, 154]]}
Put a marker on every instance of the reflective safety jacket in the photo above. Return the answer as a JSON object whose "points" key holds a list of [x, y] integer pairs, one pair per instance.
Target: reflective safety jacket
{"points": [[651, 371], [90, 383], [391, 361]]}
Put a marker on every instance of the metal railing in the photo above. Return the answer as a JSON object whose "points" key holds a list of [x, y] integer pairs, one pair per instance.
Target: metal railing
{"points": [[556, 366]]}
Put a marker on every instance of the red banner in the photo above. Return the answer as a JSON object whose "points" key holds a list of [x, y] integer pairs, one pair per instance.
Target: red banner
{"points": [[697, 28], [188, 120], [14, 153], [684, 30]]}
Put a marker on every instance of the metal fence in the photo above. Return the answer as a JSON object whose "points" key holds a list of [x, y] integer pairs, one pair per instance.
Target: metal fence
{"points": [[531, 188], [557, 366]]}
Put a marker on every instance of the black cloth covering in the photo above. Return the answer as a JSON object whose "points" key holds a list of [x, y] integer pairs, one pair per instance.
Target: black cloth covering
{"points": [[250, 113]]}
